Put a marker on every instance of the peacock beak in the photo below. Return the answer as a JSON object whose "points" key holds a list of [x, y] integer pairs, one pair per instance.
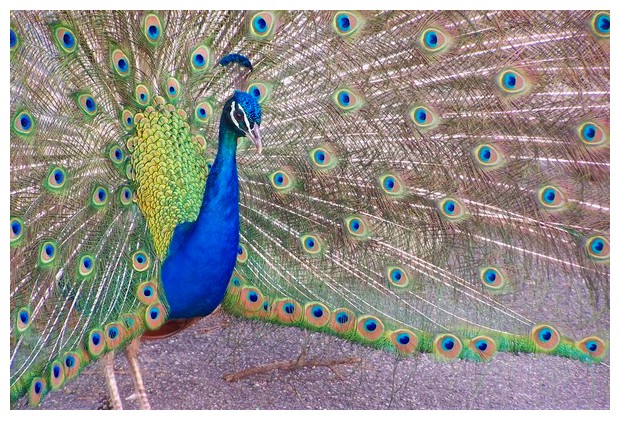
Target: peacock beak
{"points": [[254, 136]]}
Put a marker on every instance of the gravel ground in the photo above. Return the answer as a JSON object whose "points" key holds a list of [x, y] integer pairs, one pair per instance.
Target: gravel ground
{"points": [[187, 371]]}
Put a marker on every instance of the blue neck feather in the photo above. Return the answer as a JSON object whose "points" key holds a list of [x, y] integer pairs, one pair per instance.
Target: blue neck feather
{"points": [[202, 254]]}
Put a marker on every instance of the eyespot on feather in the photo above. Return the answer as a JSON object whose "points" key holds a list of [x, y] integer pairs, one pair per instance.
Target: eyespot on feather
{"points": [[155, 316], [600, 24], [551, 198], [593, 134], [36, 391], [311, 244], [347, 23], [593, 346], [147, 292], [173, 89], [370, 327], [56, 179], [114, 335], [405, 341], [260, 91], [451, 209], [200, 59], [262, 25], [86, 265], [87, 104], [598, 248], [342, 320], [65, 39], [152, 28], [391, 185], [347, 100], [22, 319], [281, 180], [23, 123], [447, 346], [423, 117], [397, 277], [47, 253], [512, 82], [142, 95], [357, 227], [95, 343], [16, 231], [203, 112], [288, 310], [72, 363], [127, 119], [99, 197], [545, 337], [251, 298], [492, 277], [120, 63], [484, 346], [316, 314], [488, 157], [434, 40], [140, 261]]}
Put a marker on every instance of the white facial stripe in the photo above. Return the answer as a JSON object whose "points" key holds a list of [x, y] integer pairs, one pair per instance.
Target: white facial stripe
{"points": [[245, 118], [232, 116]]}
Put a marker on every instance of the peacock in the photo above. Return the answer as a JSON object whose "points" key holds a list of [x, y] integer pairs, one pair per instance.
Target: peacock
{"points": [[418, 182]]}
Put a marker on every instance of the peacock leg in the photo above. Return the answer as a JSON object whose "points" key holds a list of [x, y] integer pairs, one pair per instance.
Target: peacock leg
{"points": [[132, 357], [108, 368]]}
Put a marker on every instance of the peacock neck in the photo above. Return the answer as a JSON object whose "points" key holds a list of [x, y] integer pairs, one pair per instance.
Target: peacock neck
{"points": [[222, 190]]}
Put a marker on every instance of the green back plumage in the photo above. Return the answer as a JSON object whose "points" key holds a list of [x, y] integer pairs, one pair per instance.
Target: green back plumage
{"points": [[430, 182]]}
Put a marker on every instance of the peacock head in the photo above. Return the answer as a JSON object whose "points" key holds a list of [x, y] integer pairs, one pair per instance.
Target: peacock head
{"points": [[243, 114]]}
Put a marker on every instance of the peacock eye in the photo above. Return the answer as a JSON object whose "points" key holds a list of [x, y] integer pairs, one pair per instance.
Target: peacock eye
{"points": [[238, 115]]}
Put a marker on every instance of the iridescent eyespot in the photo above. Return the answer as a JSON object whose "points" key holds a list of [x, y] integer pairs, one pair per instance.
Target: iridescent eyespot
{"points": [[488, 156], [142, 94], [23, 319], [120, 63], [492, 277], [357, 227], [17, 230], [152, 28], [322, 158], [423, 117], [155, 316], [405, 341], [391, 185], [116, 154], [512, 82], [140, 261], [592, 134], [203, 112], [86, 102], [14, 40], [262, 24], [600, 24], [598, 248], [242, 254], [433, 40], [259, 90], [56, 375], [200, 59], [86, 265], [370, 327], [47, 253], [56, 179], [484, 346], [99, 197], [311, 244], [316, 314], [36, 391], [552, 198], [127, 119], [288, 310], [23, 123], [281, 180], [209, 163], [347, 23], [173, 88], [347, 100], [251, 299], [342, 320], [397, 277], [125, 195], [147, 292], [447, 346], [65, 39], [451, 209], [592, 346], [545, 337]]}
